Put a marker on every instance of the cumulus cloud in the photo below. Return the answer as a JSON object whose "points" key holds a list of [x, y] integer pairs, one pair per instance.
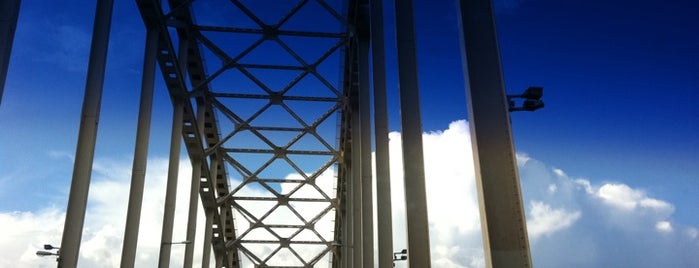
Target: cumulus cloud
{"points": [[104, 222], [572, 221], [29, 232], [545, 220], [623, 197], [107, 207], [663, 226], [601, 224], [451, 192]]}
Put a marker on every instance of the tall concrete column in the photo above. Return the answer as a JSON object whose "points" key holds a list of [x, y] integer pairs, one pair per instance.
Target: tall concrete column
{"points": [[413, 162], [206, 251], [503, 225], [174, 163], [356, 177], [171, 186], [365, 141], [138, 173], [192, 219], [347, 220], [209, 214], [197, 163], [87, 137], [383, 175]]}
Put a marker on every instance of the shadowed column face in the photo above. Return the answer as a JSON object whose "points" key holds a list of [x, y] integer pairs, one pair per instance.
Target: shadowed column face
{"points": [[502, 214], [411, 132], [384, 216], [9, 12]]}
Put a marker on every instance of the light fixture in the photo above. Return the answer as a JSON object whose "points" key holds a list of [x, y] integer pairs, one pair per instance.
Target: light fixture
{"points": [[46, 252], [400, 256], [50, 247], [532, 100]]}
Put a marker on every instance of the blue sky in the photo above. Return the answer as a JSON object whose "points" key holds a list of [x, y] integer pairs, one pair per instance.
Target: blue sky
{"points": [[620, 81]]}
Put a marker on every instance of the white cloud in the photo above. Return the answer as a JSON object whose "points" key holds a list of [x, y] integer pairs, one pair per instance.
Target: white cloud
{"points": [[623, 197], [29, 232], [451, 192], [585, 184], [663, 226], [522, 159], [692, 233], [571, 221], [104, 221], [559, 172], [619, 225], [544, 220], [59, 155]]}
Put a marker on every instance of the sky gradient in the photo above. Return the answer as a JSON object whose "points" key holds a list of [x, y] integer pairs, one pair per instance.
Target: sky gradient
{"points": [[618, 138]]}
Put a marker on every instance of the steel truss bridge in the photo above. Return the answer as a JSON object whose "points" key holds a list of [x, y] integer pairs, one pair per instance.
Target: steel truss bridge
{"points": [[272, 101]]}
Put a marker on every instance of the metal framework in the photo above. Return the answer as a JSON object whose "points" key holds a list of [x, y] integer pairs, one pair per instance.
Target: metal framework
{"points": [[258, 106], [272, 101]]}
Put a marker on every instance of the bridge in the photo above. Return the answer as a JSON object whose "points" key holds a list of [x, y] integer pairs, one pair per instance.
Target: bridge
{"points": [[274, 103]]}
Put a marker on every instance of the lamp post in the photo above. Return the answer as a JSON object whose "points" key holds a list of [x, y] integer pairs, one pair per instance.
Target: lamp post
{"points": [[532, 100], [400, 256], [42, 253], [46, 252], [50, 247]]}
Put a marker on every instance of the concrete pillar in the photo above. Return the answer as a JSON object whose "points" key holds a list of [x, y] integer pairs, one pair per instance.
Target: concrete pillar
{"points": [[503, 225], [413, 162], [87, 137]]}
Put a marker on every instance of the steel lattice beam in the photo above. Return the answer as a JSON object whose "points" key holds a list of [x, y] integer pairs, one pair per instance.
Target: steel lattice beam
{"points": [[264, 216], [271, 99], [154, 17]]}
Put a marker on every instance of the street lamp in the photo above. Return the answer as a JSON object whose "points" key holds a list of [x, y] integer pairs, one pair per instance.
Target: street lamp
{"points": [[532, 100], [44, 253], [400, 256], [50, 247]]}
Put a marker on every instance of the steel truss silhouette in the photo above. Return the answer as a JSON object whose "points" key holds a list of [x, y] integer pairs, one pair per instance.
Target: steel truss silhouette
{"points": [[271, 99], [259, 105]]}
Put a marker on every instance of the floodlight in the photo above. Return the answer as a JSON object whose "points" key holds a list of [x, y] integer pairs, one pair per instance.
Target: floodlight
{"points": [[50, 247], [532, 105], [533, 93], [400, 256], [45, 253], [532, 100]]}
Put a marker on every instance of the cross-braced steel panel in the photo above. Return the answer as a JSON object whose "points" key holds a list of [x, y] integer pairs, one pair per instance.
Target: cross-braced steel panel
{"points": [[267, 90]]}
